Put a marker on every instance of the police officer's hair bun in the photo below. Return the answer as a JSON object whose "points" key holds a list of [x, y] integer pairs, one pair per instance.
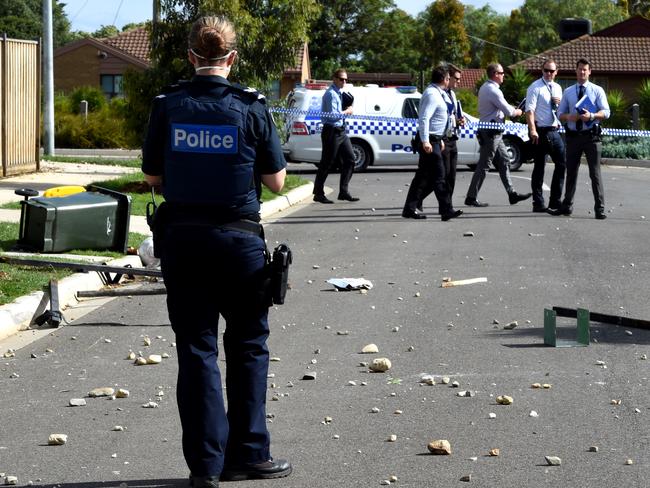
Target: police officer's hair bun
{"points": [[212, 37]]}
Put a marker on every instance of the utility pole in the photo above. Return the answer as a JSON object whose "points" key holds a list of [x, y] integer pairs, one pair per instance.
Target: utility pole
{"points": [[48, 80], [155, 22]]}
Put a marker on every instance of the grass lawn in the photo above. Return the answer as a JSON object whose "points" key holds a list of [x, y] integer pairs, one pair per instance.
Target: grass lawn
{"points": [[16, 281]]}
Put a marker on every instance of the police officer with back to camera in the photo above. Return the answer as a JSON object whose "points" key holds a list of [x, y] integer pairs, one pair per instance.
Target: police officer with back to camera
{"points": [[211, 144], [336, 143], [542, 100]]}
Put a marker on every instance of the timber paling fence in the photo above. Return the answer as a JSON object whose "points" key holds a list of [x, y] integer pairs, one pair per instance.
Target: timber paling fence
{"points": [[20, 102]]}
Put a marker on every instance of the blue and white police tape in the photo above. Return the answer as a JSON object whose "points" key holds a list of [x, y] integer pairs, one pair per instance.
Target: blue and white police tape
{"points": [[381, 125]]}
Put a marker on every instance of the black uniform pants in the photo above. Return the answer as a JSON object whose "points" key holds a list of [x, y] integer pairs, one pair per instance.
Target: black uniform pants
{"points": [[450, 157], [551, 143], [336, 146], [208, 272], [429, 175], [578, 143]]}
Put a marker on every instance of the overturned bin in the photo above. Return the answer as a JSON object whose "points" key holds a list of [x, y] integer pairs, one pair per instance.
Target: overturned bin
{"points": [[95, 219]]}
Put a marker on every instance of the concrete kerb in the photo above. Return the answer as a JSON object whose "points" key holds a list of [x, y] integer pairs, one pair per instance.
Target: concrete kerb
{"points": [[19, 314]]}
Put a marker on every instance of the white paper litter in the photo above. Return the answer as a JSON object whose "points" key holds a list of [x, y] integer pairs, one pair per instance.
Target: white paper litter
{"points": [[350, 283]]}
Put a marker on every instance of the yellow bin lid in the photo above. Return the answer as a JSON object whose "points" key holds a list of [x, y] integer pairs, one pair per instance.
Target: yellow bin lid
{"points": [[63, 191]]}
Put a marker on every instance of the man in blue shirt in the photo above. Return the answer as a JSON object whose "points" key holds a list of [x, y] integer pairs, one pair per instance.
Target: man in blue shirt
{"points": [[582, 108], [542, 100], [433, 125], [336, 143], [492, 107]]}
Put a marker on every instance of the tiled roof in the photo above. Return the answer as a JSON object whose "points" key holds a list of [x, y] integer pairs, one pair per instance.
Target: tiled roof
{"points": [[636, 26], [300, 56], [469, 77], [606, 54], [134, 42]]}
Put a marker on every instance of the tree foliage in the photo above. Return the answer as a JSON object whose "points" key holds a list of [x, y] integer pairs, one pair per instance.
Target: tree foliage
{"points": [[477, 22], [390, 48], [23, 19], [444, 37], [338, 36]]}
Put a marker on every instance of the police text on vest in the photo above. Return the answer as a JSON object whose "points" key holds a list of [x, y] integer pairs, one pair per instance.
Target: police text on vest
{"points": [[214, 139]]}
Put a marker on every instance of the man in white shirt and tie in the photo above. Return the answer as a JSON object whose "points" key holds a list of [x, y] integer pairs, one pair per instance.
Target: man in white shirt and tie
{"points": [[542, 101]]}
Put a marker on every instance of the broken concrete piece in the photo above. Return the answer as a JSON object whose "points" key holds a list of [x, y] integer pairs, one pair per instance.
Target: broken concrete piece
{"points": [[310, 375], [536, 385], [140, 361], [122, 393], [57, 439], [553, 460], [146, 341], [150, 405], [467, 478], [593, 449], [392, 438], [439, 447], [11, 480], [428, 379], [511, 325], [101, 392], [154, 359], [370, 349], [629, 462], [117, 428], [380, 365], [464, 393], [131, 356], [504, 400], [469, 233], [77, 402], [494, 452]]}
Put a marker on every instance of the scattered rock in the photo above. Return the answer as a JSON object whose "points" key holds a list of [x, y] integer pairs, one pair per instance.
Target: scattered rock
{"points": [[468, 234], [352, 383], [392, 438], [495, 451], [310, 375], [455, 384], [11, 480], [328, 420], [593, 449], [150, 405], [154, 359], [77, 402], [131, 356], [511, 325], [536, 385], [393, 479], [465, 393], [342, 332], [428, 379], [410, 349], [380, 365], [384, 482], [122, 393], [553, 460], [57, 439], [146, 341], [441, 447], [117, 428], [275, 359], [101, 392], [140, 361], [504, 400], [375, 410], [615, 402], [370, 349], [547, 386], [492, 415], [533, 413], [629, 462], [467, 478], [398, 412]]}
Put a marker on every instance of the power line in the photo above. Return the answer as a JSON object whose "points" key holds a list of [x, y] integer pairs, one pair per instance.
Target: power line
{"points": [[118, 11], [79, 11], [506, 47]]}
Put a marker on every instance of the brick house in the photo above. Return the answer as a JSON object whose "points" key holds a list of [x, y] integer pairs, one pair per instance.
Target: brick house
{"points": [[103, 62], [619, 57]]}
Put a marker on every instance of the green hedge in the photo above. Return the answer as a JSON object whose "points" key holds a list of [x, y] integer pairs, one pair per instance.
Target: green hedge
{"points": [[626, 147]]}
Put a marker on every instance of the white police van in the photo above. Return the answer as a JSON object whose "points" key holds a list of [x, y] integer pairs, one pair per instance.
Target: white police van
{"points": [[380, 129]]}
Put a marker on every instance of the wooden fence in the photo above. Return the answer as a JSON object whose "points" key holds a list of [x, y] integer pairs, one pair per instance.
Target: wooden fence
{"points": [[20, 102]]}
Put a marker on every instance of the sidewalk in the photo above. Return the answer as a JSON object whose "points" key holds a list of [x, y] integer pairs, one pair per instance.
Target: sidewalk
{"points": [[18, 315]]}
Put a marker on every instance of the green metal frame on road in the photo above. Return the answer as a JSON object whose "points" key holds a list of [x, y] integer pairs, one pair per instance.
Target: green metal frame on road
{"points": [[550, 329]]}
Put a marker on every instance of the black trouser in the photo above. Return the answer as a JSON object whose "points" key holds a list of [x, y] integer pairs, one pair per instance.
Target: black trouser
{"points": [[578, 143], [551, 143], [450, 157], [336, 145], [429, 175]]}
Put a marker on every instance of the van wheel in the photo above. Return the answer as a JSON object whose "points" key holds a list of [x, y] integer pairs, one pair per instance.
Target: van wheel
{"points": [[362, 155]]}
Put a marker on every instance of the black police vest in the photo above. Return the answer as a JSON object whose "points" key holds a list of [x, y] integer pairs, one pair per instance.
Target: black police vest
{"points": [[208, 161]]}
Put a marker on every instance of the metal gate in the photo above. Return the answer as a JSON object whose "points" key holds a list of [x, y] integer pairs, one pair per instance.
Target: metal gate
{"points": [[20, 102]]}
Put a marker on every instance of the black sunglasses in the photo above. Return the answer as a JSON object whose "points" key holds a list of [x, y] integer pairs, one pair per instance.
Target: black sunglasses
{"points": [[457, 78], [546, 70], [343, 79]]}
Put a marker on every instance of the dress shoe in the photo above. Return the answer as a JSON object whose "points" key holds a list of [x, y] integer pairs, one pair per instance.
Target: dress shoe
{"points": [[451, 215], [204, 481], [601, 215], [474, 203], [322, 199], [560, 211], [413, 214], [260, 471], [515, 197], [347, 197], [540, 209]]}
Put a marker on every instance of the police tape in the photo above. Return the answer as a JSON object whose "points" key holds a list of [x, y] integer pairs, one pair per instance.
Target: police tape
{"points": [[405, 126]]}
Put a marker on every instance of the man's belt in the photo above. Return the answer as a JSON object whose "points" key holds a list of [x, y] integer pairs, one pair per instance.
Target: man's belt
{"points": [[546, 129]]}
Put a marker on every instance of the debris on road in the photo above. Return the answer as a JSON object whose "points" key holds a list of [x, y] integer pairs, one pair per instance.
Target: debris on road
{"points": [[77, 402], [439, 447], [495, 451], [11, 480], [101, 392], [469, 233], [553, 460], [504, 400], [471, 281], [57, 439], [122, 393], [380, 365], [370, 349], [347, 284], [593, 449], [467, 478], [511, 325]]}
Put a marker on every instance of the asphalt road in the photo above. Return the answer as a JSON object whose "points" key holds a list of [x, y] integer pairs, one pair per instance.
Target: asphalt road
{"points": [[531, 261]]}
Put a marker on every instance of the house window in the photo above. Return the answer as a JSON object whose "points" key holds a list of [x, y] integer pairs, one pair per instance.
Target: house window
{"points": [[112, 85]]}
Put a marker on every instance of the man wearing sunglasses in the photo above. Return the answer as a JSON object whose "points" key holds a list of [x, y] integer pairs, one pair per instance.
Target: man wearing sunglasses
{"points": [[542, 101], [336, 143], [492, 107]]}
